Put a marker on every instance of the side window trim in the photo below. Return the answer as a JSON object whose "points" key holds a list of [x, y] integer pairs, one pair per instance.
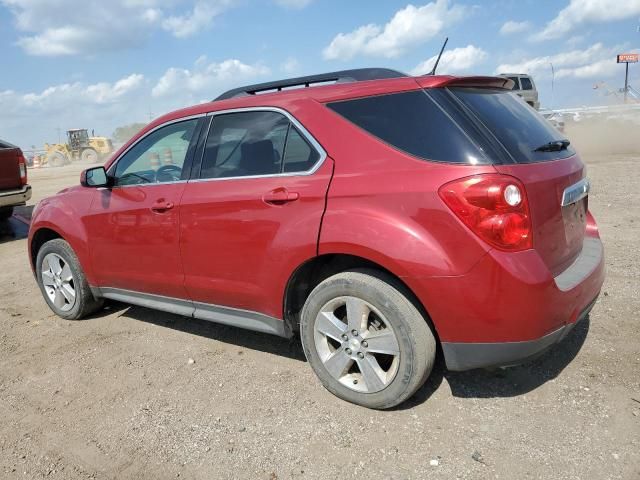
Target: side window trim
{"points": [[322, 154], [187, 161]]}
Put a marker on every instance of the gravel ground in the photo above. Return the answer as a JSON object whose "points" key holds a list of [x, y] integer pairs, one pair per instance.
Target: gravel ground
{"points": [[134, 393]]}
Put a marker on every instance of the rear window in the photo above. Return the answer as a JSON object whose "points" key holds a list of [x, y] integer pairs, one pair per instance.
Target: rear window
{"points": [[414, 123], [526, 83], [519, 128]]}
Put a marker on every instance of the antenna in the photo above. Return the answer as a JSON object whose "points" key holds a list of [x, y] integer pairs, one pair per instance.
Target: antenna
{"points": [[433, 71]]}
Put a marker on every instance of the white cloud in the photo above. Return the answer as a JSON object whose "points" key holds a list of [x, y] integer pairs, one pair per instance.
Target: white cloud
{"points": [[409, 27], [297, 4], [290, 65], [32, 118], [206, 79], [511, 27], [200, 17], [595, 61], [453, 61], [86, 27], [579, 12]]}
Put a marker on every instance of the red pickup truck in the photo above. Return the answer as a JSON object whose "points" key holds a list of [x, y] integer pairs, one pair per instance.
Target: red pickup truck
{"points": [[14, 190]]}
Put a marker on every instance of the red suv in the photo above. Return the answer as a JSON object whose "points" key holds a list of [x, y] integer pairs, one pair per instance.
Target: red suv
{"points": [[379, 215]]}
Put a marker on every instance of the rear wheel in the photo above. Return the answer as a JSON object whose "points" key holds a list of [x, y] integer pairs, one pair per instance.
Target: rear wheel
{"points": [[366, 340], [5, 213], [89, 155], [62, 281]]}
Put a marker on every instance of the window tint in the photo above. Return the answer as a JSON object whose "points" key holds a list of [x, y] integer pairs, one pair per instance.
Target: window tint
{"points": [[518, 127], [245, 144], [413, 123], [516, 84], [299, 156], [157, 158], [526, 83]]}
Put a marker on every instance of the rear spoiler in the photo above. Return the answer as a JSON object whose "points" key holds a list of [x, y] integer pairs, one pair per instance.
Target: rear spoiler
{"points": [[427, 81]]}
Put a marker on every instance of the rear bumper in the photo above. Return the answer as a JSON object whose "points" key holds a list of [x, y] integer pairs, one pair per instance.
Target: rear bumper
{"points": [[14, 198], [510, 307], [467, 356]]}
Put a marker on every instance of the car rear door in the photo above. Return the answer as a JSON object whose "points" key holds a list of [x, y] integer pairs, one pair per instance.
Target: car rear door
{"points": [[133, 227], [253, 212]]}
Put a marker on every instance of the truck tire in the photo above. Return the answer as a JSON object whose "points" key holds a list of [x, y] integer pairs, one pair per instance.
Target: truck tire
{"points": [[366, 340], [5, 213], [56, 159], [89, 155]]}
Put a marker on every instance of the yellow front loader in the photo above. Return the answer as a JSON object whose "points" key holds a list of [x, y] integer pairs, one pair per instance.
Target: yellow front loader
{"points": [[79, 146]]}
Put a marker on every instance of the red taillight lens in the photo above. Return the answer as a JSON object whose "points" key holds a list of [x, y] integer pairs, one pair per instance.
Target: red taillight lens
{"points": [[22, 166], [494, 207]]}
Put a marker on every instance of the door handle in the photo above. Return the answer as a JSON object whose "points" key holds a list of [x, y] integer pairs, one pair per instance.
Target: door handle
{"points": [[161, 206], [280, 196]]}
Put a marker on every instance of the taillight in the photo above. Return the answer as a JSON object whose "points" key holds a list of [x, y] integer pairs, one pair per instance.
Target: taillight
{"points": [[494, 207], [22, 166]]}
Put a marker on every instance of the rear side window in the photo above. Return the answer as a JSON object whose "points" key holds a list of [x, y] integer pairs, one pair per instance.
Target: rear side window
{"points": [[414, 123], [526, 83], [516, 83], [255, 143], [245, 144], [518, 127]]}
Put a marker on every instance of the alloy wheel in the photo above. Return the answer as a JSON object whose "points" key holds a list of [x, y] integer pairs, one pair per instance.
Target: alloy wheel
{"points": [[58, 282], [356, 344]]}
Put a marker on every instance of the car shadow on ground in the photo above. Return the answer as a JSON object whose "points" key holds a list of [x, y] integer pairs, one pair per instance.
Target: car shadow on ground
{"points": [[17, 226], [508, 382], [232, 335]]}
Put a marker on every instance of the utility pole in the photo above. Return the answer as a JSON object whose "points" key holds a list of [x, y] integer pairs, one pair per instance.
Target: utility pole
{"points": [[627, 58], [626, 81]]}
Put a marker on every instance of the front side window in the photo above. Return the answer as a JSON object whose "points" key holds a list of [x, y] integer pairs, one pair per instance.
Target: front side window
{"points": [[256, 143], [157, 158]]}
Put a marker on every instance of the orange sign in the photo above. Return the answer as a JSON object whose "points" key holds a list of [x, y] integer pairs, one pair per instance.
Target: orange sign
{"points": [[628, 58]]}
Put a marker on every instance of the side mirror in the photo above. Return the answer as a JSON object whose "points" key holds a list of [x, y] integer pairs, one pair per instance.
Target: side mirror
{"points": [[94, 177]]}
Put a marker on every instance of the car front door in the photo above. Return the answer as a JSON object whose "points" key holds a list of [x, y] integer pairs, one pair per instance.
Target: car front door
{"points": [[253, 214], [133, 227]]}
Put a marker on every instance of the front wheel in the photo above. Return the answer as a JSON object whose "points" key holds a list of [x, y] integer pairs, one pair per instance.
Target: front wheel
{"points": [[62, 281], [89, 155], [365, 340]]}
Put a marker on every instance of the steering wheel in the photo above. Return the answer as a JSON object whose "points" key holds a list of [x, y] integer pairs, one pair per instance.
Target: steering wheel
{"points": [[173, 172]]}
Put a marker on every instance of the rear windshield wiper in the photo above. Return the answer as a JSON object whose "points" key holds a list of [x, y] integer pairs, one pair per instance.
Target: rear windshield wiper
{"points": [[554, 146]]}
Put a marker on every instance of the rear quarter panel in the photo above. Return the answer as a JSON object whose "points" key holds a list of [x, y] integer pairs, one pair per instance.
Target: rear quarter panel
{"points": [[383, 205]]}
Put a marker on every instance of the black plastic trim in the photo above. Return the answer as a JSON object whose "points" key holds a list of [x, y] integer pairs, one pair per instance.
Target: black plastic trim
{"points": [[342, 76], [467, 356]]}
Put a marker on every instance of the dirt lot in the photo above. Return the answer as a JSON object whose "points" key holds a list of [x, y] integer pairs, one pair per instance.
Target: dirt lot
{"points": [[115, 396]]}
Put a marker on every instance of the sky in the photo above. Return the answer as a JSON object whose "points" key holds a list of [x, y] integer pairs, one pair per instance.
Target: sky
{"points": [[99, 65]]}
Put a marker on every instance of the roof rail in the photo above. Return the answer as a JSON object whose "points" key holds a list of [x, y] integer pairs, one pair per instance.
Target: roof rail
{"points": [[343, 76]]}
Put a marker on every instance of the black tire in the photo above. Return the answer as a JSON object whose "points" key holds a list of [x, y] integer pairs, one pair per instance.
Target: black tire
{"points": [[89, 155], [416, 342], [56, 159], [5, 213], [85, 303]]}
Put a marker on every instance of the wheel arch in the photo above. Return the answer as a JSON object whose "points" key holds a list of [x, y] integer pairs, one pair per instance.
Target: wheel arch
{"points": [[41, 236], [313, 271]]}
